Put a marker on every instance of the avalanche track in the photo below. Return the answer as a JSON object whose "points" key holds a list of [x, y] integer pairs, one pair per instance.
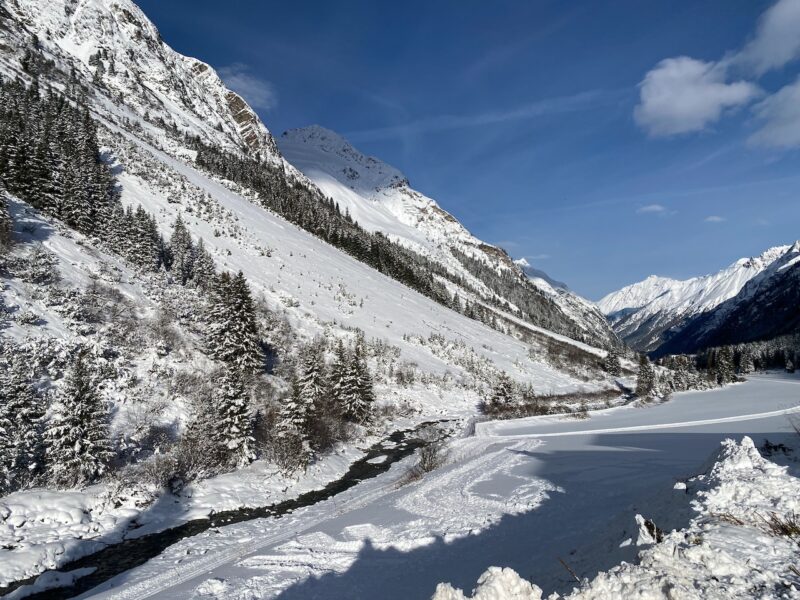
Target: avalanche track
{"points": [[519, 493]]}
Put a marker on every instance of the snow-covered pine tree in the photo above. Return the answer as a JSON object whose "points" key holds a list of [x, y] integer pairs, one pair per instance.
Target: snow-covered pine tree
{"points": [[724, 365], [293, 427], [311, 379], [645, 377], [357, 395], [21, 415], [7, 453], [234, 428], [746, 361], [611, 364], [232, 332], [337, 377], [204, 270], [502, 392], [364, 384], [182, 252], [77, 446], [6, 224]]}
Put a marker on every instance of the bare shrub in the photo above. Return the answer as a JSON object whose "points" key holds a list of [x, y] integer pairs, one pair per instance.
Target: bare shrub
{"points": [[156, 473], [550, 404], [430, 456], [786, 526]]}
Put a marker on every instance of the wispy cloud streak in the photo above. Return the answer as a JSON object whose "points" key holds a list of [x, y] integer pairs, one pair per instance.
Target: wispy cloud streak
{"points": [[533, 110]]}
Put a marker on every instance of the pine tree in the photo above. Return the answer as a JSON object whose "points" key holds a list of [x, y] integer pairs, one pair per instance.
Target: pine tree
{"points": [[312, 381], [645, 378], [746, 362], [337, 378], [25, 413], [232, 333], [357, 396], [204, 271], [234, 429], [182, 252], [724, 365], [6, 224], [293, 428], [502, 392], [611, 364], [76, 440]]}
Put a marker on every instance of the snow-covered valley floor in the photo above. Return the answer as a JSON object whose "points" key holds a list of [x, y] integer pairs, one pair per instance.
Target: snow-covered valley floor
{"points": [[520, 494]]}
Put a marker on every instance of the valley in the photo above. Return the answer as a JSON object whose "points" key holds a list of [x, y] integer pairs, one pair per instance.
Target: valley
{"points": [[242, 365]]}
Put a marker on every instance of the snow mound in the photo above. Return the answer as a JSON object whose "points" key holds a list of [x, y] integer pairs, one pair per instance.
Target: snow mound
{"points": [[494, 584], [727, 551]]}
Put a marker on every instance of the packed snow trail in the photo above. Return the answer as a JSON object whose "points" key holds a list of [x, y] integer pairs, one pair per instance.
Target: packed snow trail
{"points": [[492, 504]]}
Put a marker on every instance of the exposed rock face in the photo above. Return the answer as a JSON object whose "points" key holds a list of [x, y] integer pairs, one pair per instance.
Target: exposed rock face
{"points": [[113, 44]]}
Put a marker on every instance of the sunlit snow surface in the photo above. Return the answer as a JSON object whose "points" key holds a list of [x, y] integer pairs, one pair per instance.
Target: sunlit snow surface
{"points": [[506, 497]]}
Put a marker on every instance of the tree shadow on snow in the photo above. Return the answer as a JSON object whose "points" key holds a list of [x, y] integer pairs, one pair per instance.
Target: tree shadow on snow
{"points": [[583, 524]]}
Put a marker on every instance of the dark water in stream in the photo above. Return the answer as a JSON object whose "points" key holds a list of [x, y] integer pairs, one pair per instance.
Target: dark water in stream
{"points": [[128, 554]]}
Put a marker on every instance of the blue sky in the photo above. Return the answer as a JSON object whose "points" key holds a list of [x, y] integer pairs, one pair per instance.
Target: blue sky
{"points": [[604, 141]]}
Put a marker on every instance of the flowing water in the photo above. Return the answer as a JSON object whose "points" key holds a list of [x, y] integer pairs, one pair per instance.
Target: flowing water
{"points": [[130, 553]]}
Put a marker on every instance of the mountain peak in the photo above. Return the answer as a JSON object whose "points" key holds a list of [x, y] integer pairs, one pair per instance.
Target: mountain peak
{"points": [[329, 151], [534, 273]]}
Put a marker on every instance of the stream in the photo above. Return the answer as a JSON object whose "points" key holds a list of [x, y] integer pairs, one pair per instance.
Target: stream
{"points": [[130, 553]]}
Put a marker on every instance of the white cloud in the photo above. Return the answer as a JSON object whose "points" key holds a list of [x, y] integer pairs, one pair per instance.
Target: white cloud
{"points": [[780, 118], [682, 95], [715, 219], [777, 39], [258, 92], [651, 209]]}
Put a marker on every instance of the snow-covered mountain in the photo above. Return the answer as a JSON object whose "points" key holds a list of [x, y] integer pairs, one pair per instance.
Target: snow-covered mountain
{"points": [[767, 306], [534, 273], [649, 313], [112, 44], [380, 198], [118, 157]]}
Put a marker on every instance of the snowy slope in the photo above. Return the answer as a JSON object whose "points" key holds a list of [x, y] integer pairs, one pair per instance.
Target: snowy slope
{"points": [[144, 81], [380, 198], [113, 44], [647, 313]]}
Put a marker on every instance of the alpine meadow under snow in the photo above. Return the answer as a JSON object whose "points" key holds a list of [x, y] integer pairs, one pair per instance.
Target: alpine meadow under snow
{"points": [[234, 366]]}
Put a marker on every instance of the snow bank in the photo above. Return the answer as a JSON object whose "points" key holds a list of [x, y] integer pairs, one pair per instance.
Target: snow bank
{"points": [[728, 550]]}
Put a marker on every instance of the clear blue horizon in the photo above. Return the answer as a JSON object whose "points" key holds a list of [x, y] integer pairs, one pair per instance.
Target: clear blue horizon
{"points": [[604, 142]]}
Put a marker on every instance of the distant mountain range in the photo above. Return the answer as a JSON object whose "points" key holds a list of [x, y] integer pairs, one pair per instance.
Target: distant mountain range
{"points": [[754, 298]]}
